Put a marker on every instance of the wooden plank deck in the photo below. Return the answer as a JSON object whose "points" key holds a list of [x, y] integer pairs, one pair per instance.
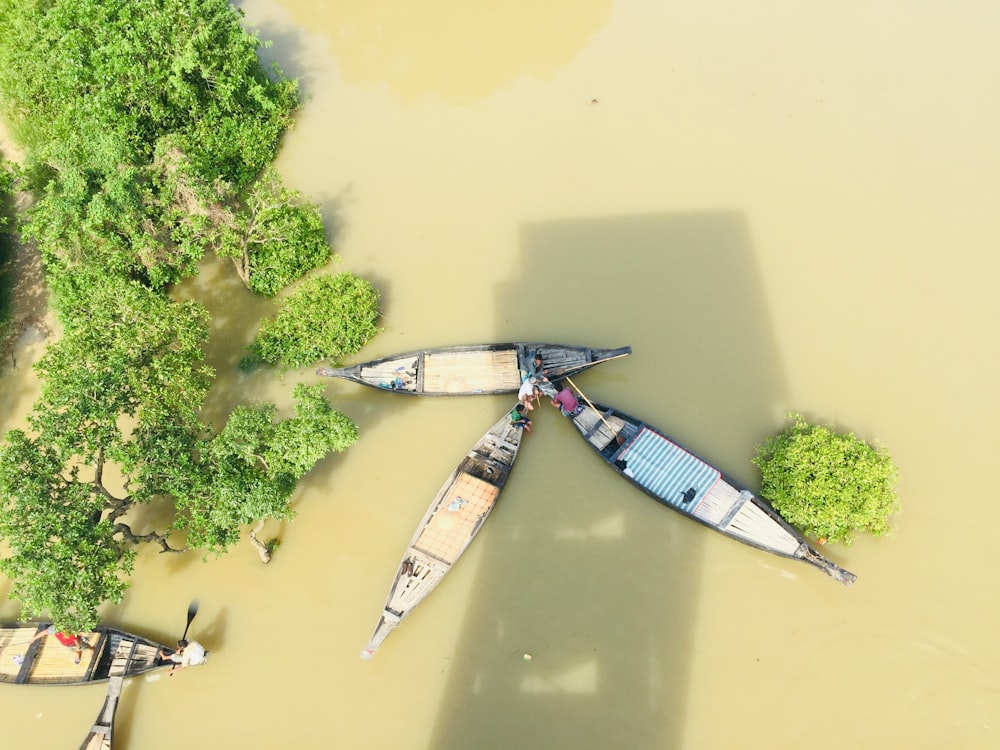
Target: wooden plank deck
{"points": [[755, 525], [718, 503], [596, 428], [412, 589], [44, 661], [386, 373], [557, 359]]}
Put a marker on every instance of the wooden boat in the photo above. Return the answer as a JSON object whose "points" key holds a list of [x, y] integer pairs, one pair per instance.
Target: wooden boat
{"points": [[99, 736], [477, 369], [455, 516], [677, 478], [47, 662]]}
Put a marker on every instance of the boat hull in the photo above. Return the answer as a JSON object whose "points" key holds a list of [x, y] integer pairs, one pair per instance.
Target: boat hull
{"points": [[453, 519], [47, 662], [100, 734], [674, 476], [471, 370]]}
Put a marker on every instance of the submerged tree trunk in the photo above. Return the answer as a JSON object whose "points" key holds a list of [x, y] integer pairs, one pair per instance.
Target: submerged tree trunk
{"points": [[265, 556]]}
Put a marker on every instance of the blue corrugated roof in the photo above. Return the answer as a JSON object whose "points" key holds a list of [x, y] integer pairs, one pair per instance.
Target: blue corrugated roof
{"points": [[667, 470]]}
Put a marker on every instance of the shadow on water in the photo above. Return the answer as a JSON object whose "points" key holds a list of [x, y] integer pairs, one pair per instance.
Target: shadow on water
{"points": [[595, 582]]}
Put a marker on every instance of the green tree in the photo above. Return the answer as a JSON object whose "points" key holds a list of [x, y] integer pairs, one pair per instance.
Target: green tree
{"points": [[117, 427], [146, 124], [99, 83], [249, 470], [327, 317], [832, 486], [63, 558], [105, 95], [275, 238]]}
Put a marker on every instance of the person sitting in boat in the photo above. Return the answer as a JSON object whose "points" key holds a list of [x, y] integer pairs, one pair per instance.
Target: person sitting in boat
{"points": [[529, 392], [565, 401], [188, 654], [69, 640], [538, 371], [518, 418]]}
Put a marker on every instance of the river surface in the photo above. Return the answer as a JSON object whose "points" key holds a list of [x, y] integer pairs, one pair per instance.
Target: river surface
{"points": [[780, 206]]}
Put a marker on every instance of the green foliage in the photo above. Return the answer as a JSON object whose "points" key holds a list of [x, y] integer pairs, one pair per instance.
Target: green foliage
{"points": [[276, 238], [140, 120], [249, 470], [62, 557], [126, 352], [99, 83], [144, 123], [328, 317], [122, 388], [831, 486]]}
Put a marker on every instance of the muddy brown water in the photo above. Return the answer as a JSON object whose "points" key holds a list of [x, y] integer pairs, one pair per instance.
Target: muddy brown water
{"points": [[779, 207]]}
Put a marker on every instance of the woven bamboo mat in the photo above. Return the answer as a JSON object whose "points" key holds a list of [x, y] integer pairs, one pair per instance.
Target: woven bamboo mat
{"points": [[460, 372]]}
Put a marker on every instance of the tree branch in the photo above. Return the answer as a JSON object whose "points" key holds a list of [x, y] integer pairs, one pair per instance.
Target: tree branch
{"points": [[152, 536]]}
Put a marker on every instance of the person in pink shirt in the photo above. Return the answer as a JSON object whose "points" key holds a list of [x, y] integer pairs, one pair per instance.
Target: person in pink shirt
{"points": [[565, 401]]}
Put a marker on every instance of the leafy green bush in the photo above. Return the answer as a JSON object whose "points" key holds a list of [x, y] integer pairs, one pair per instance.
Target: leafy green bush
{"points": [[328, 317], [831, 486], [276, 238], [141, 120]]}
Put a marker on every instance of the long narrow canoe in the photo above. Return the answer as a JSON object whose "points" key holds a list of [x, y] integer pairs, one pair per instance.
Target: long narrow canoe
{"points": [[677, 478], [477, 369], [47, 662], [455, 516], [99, 736]]}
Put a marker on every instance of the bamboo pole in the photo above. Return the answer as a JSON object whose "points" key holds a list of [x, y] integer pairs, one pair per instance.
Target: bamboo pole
{"points": [[591, 405]]}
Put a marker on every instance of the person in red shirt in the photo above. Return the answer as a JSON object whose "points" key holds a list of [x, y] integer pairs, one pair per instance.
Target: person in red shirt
{"points": [[69, 640]]}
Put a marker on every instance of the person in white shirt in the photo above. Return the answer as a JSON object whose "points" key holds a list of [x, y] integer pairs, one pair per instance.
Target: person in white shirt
{"points": [[529, 392], [188, 654]]}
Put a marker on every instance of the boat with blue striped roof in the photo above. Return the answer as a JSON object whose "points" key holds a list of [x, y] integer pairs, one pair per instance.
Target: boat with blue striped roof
{"points": [[674, 476]]}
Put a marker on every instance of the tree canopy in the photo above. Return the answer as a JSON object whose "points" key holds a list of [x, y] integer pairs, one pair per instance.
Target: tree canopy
{"points": [[832, 486], [149, 128], [275, 237], [117, 428], [142, 121]]}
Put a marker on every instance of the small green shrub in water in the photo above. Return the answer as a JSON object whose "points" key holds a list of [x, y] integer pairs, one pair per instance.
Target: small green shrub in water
{"points": [[830, 486], [249, 363], [328, 317]]}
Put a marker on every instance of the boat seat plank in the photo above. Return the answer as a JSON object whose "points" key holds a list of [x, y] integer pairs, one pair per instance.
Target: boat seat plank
{"points": [[595, 427], [719, 505], [447, 532]]}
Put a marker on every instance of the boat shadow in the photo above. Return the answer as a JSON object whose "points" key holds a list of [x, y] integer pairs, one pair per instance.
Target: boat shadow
{"points": [[582, 624]]}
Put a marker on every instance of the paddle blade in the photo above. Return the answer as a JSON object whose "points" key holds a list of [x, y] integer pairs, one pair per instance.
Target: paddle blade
{"points": [[192, 611]]}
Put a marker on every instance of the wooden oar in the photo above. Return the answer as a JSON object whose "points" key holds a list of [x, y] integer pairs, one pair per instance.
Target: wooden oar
{"points": [[192, 611], [591, 405]]}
